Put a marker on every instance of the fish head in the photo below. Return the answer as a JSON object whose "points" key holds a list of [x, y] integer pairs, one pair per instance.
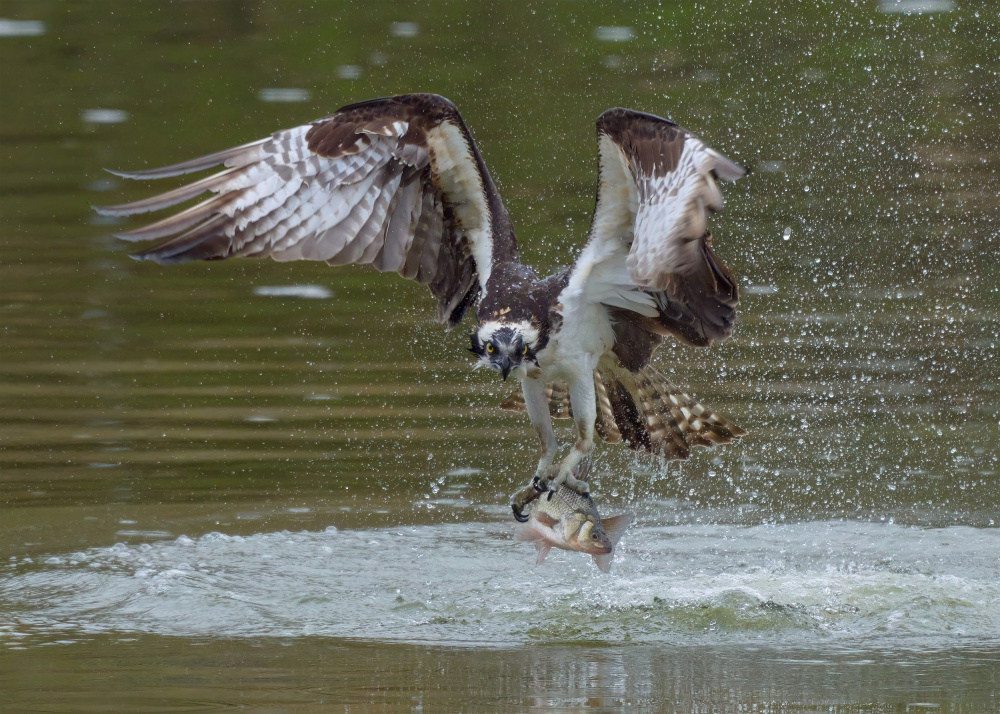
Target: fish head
{"points": [[586, 534]]}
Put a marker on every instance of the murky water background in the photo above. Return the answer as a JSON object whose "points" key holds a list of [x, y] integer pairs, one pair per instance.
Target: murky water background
{"points": [[280, 487]]}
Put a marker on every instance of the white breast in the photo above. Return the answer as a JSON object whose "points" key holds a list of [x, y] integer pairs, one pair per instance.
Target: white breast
{"points": [[573, 352]]}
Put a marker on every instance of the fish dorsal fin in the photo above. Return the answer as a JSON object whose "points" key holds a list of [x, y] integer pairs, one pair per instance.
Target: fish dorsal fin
{"points": [[543, 550], [604, 561], [615, 527]]}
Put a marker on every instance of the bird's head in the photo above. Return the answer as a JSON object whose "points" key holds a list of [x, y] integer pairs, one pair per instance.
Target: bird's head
{"points": [[506, 346]]}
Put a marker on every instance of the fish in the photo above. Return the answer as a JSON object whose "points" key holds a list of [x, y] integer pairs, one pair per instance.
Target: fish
{"points": [[569, 520]]}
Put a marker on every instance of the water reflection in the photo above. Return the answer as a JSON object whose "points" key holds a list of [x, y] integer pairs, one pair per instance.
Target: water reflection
{"points": [[310, 292], [104, 116], [543, 679], [916, 7], [21, 28], [405, 29], [348, 71], [614, 34], [279, 94]]}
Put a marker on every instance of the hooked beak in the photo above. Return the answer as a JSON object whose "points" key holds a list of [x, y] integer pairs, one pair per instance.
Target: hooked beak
{"points": [[504, 364]]}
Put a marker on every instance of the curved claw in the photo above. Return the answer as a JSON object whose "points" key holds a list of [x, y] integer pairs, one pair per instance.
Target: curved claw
{"points": [[520, 500]]}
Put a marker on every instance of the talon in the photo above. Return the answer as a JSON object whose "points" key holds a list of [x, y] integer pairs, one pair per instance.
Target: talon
{"points": [[520, 500], [573, 472], [545, 477], [575, 484]]}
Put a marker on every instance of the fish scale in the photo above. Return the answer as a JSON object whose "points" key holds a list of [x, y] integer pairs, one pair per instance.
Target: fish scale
{"points": [[569, 501]]}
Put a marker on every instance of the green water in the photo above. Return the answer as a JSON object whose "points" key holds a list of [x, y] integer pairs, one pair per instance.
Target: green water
{"points": [[213, 498]]}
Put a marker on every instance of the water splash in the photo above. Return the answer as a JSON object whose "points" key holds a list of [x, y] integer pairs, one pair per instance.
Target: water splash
{"points": [[803, 584]]}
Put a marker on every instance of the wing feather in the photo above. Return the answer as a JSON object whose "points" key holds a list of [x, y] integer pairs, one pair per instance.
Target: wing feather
{"points": [[427, 263], [649, 234], [425, 220], [372, 234], [398, 237], [236, 156], [355, 223], [396, 182]]}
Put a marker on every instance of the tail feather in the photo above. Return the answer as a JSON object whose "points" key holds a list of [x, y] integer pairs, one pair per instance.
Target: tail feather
{"points": [[653, 415], [665, 432], [643, 410], [695, 419], [557, 394]]}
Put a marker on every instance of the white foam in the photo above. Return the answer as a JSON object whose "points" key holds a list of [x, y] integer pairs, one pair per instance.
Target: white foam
{"points": [[818, 583]]}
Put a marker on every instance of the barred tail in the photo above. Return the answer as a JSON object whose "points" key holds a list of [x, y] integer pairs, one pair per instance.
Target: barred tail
{"points": [[557, 393], [651, 414], [643, 410]]}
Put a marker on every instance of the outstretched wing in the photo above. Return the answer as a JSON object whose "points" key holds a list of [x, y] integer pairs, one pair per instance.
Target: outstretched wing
{"points": [[396, 183], [649, 255]]}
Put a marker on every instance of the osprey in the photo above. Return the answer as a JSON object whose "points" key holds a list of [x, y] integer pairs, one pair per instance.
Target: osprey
{"points": [[398, 183]]}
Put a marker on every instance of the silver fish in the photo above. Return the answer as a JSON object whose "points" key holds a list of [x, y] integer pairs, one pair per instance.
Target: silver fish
{"points": [[568, 520]]}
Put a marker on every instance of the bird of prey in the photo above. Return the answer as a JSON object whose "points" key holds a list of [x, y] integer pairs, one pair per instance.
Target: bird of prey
{"points": [[399, 184]]}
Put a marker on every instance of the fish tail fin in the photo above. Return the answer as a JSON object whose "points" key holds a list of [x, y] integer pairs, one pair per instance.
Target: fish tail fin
{"points": [[615, 527], [648, 413], [604, 561]]}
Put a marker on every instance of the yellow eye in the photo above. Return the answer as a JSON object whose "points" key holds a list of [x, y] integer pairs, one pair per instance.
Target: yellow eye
{"points": [[524, 351], [489, 347]]}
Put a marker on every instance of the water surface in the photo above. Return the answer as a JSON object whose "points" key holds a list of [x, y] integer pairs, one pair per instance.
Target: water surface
{"points": [[280, 486]]}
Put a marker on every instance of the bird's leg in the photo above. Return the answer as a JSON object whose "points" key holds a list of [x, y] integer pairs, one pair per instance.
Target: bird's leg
{"points": [[537, 406], [583, 400]]}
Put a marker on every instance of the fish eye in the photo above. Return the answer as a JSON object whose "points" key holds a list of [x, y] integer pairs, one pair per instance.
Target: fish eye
{"points": [[489, 347], [524, 350], [594, 536]]}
